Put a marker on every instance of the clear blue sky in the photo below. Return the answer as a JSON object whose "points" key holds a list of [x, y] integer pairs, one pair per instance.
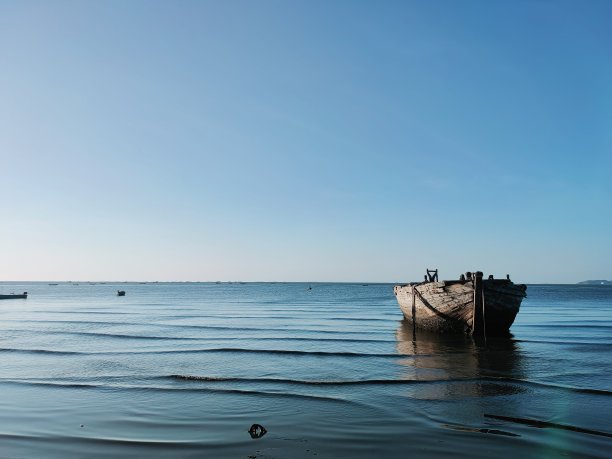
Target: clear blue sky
{"points": [[312, 140]]}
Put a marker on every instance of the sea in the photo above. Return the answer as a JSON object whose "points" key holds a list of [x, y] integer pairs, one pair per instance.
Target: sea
{"points": [[330, 370]]}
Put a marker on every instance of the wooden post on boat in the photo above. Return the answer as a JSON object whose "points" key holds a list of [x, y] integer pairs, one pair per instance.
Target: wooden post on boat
{"points": [[413, 312], [478, 320]]}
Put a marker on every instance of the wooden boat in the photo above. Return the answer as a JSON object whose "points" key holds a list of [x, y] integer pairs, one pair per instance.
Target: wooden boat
{"points": [[13, 296], [471, 304], [120, 292]]}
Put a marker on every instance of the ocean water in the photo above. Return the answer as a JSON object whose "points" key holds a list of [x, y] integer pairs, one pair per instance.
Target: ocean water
{"points": [[330, 370]]}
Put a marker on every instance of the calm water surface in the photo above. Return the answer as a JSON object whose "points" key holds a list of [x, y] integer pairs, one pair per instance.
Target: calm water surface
{"points": [[183, 370]]}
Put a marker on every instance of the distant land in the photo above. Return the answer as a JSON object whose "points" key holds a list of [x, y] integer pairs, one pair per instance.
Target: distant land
{"points": [[596, 282]]}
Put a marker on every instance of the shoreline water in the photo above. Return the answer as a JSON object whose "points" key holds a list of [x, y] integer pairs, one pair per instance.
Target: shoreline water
{"points": [[184, 370]]}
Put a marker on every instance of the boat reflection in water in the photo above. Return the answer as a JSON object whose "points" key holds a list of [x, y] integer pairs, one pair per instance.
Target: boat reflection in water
{"points": [[457, 365]]}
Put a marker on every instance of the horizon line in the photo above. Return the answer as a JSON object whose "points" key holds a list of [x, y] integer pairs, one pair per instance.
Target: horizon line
{"points": [[255, 282]]}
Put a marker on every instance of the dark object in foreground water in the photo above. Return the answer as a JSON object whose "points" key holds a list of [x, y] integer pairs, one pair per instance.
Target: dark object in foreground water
{"points": [[257, 431], [12, 296], [471, 304], [554, 425], [120, 292]]}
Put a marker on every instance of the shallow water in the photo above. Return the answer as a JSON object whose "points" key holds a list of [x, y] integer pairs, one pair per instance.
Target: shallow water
{"points": [[184, 369]]}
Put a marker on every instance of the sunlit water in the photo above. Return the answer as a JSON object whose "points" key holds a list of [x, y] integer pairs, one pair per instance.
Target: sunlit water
{"points": [[183, 370]]}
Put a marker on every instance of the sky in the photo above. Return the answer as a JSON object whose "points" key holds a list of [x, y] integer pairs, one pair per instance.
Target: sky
{"points": [[305, 140]]}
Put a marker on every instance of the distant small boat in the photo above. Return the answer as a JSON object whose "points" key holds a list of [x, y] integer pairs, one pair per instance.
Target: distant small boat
{"points": [[120, 292], [14, 296], [53, 284], [471, 304]]}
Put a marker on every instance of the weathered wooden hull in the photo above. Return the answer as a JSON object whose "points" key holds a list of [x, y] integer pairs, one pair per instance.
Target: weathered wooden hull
{"points": [[448, 306]]}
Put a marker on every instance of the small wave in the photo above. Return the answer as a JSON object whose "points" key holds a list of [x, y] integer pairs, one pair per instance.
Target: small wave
{"points": [[547, 424], [72, 313], [206, 338], [568, 325], [40, 351], [116, 335], [362, 319], [584, 390], [272, 352], [170, 326], [494, 379], [96, 442], [318, 340], [114, 387], [479, 430], [292, 317], [124, 336], [268, 329], [565, 343], [68, 382], [359, 382], [63, 385], [205, 351], [72, 322]]}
